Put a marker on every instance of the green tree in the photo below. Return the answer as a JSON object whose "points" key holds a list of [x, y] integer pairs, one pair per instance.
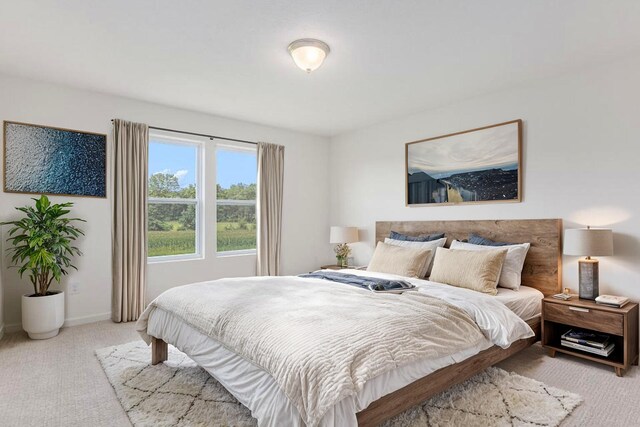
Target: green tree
{"points": [[243, 215], [237, 192], [154, 223], [188, 218], [188, 192], [163, 185]]}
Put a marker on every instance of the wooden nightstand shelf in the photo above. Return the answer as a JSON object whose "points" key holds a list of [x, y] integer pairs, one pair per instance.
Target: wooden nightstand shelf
{"points": [[332, 267], [621, 323]]}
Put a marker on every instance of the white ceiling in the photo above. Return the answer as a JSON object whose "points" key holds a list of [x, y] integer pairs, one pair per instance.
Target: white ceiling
{"points": [[389, 58]]}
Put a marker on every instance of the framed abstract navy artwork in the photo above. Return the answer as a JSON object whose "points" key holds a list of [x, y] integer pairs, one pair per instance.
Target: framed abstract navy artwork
{"points": [[48, 160], [481, 165]]}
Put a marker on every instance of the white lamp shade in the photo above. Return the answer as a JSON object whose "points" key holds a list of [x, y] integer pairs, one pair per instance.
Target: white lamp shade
{"points": [[588, 242], [308, 54], [343, 235]]}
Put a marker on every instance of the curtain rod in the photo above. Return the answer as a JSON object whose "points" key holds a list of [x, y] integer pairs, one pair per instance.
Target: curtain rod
{"points": [[201, 134]]}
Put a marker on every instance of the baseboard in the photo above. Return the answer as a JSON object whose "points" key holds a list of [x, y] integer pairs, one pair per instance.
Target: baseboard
{"points": [[74, 321], [13, 327]]}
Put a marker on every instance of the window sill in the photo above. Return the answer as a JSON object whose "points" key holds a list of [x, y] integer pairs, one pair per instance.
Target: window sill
{"points": [[173, 258], [228, 254]]}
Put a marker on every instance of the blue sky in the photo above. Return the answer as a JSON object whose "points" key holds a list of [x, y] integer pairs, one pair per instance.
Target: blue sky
{"points": [[233, 166], [236, 167]]}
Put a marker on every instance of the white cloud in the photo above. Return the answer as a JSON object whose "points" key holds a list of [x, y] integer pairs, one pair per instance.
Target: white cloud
{"points": [[181, 174], [492, 147]]}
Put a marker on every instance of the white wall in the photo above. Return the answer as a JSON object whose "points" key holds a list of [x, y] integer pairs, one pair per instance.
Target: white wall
{"points": [[305, 221], [581, 164]]}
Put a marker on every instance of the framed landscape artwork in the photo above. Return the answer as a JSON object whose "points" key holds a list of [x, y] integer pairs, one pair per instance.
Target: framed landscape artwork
{"points": [[48, 160], [475, 166]]}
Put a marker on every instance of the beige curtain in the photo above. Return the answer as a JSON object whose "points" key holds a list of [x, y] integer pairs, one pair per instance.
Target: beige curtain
{"points": [[269, 207], [129, 230]]}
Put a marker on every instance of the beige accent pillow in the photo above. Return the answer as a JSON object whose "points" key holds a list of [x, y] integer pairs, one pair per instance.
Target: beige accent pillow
{"points": [[431, 245], [511, 275], [475, 270], [408, 262]]}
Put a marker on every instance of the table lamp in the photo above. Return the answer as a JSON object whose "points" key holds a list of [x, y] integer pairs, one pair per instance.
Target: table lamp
{"points": [[342, 236], [588, 242]]}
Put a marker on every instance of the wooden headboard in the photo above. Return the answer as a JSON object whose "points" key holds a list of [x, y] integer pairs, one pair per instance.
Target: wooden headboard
{"points": [[543, 265]]}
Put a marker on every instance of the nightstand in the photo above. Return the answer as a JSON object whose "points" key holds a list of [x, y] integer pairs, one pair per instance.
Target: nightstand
{"points": [[332, 267], [620, 323]]}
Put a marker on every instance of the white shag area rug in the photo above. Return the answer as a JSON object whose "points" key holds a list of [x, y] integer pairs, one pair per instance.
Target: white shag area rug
{"points": [[180, 393]]}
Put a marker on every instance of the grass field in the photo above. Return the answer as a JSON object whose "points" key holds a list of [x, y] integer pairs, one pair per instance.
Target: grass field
{"points": [[171, 242], [230, 238]]}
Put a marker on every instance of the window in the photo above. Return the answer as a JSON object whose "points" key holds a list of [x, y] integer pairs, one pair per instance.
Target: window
{"points": [[174, 200], [236, 172]]}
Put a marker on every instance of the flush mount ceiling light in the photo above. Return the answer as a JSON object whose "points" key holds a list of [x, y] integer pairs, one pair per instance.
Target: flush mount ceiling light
{"points": [[308, 54]]}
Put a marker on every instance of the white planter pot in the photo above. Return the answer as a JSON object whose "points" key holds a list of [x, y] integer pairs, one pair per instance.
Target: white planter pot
{"points": [[42, 317]]}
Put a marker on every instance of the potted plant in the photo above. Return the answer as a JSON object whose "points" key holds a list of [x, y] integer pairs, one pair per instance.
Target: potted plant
{"points": [[342, 254], [42, 247]]}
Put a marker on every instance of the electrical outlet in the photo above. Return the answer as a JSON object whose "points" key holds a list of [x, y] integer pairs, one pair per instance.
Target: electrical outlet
{"points": [[74, 288]]}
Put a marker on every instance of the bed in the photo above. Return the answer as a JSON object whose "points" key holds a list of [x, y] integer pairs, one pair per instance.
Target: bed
{"points": [[390, 392]]}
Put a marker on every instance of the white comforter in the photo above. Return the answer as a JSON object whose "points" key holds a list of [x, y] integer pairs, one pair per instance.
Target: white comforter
{"points": [[498, 324]]}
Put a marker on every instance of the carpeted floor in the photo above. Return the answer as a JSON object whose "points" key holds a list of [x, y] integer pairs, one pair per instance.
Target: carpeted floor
{"points": [[59, 382]]}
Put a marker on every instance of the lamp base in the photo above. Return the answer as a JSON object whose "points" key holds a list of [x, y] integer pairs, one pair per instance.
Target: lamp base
{"points": [[588, 279]]}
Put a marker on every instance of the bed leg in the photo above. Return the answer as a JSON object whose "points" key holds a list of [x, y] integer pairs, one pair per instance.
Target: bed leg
{"points": [[159, 351]]}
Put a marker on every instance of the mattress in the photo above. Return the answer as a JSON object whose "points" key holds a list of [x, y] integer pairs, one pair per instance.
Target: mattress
{"points": [[257, 390], [526, 302]]}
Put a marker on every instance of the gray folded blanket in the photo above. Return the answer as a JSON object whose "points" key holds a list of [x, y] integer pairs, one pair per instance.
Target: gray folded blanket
{"points": [[374, 284]]}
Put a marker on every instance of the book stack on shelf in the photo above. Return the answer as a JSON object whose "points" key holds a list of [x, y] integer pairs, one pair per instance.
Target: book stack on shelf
{"points": [[589, 341]]}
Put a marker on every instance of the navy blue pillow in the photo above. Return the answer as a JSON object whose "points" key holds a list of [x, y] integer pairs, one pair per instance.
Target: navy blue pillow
{"points": [[421, 238], [479, 240]]}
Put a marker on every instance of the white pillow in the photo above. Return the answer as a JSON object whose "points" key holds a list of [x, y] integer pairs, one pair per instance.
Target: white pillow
{"points": [[511, 275], [431, 245]]}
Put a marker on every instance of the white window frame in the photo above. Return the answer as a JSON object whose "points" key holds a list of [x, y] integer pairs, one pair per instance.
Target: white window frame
{"points": [[176, 138], [241, 147]]}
